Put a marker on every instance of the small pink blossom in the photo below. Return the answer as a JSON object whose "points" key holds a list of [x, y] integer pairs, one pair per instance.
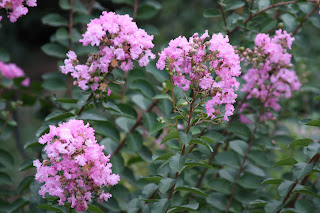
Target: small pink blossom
{"points": [[16, 8], [12, 71]]}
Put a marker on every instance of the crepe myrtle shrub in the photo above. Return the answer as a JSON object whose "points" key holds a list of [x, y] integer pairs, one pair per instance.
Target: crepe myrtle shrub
{"points": [[202, 136]]}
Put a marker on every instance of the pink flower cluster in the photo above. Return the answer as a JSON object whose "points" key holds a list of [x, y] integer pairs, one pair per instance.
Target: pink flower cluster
{"points": [[207, 66], [16, 8], [120, 42], [76, 167], [271, 75], [12, 71]]}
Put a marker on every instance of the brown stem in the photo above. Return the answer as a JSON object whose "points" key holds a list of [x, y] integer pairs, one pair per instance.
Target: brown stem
{"points": [[82, 108], [91, 6], [135, 9], [138, 122], [224, 17], [235, 185], [265, 9], [304, 20], [216, 148], [184, 147], [314, 160], [70, 45]]}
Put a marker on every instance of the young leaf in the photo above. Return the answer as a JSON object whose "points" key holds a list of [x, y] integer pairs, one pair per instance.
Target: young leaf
{"points": [[287, 161], [300, 142], [165, 184], [192, 190], [170, 136], [185, 138]]}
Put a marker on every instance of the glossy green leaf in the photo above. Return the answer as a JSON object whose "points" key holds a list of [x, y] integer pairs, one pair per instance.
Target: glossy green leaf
{"points": [[284, 187], [94, 209], [111, 106], [54, 50], [157, 127], [165, 184], [162, 96], [58, 115], [107, 129], [300, 142], [239, 147], [160, 206], [165, 156], [170, 136], [49, 208], [176, 162], [185, 138], [192, 190], [54, 20], [249, 181], [272, 181], [191, 206], [273, 206], [301, 169], [286, 161]]}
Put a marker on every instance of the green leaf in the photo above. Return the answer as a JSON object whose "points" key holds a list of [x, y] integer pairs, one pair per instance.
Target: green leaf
{"points": [[6, 158], [300, 142], [17, 204], [125, 123], [202, 142], [5, 179], [262, 4], [157, 127], [160, 206], [239, 147], [165, 184], [91, 115], [54, 20], [273, 206], [134, 141], [313, 123], [153, 179], [26, 165], [94, 209], [272, 181], [170, 136], [191, 206], [284, 187], [54, 50], [107, 129], [227, 158], [4, 55], [165, 156], [58, 115], [144, 87], [214, 136], [49, 207], [148, 10], [149, 120], [234, 4], [301, 169], [317, 98], [64, 4], [211, 13], [25, 183], [111, 106], [162, 96], [194, 164], [286, 161], [258, 203], [128, 110], [289, 21], [268, 25], [192, 190], [185, 138], [220, 185], [67, 100], [250, 181], [305, 191], [240, 130], [176, 162]]}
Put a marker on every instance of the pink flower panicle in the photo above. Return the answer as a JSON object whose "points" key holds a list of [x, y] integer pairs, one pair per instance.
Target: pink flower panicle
{"points": [[210, 66], [120, 42], [16, 8], [12, 71], [270, 76], [76, 167]]}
